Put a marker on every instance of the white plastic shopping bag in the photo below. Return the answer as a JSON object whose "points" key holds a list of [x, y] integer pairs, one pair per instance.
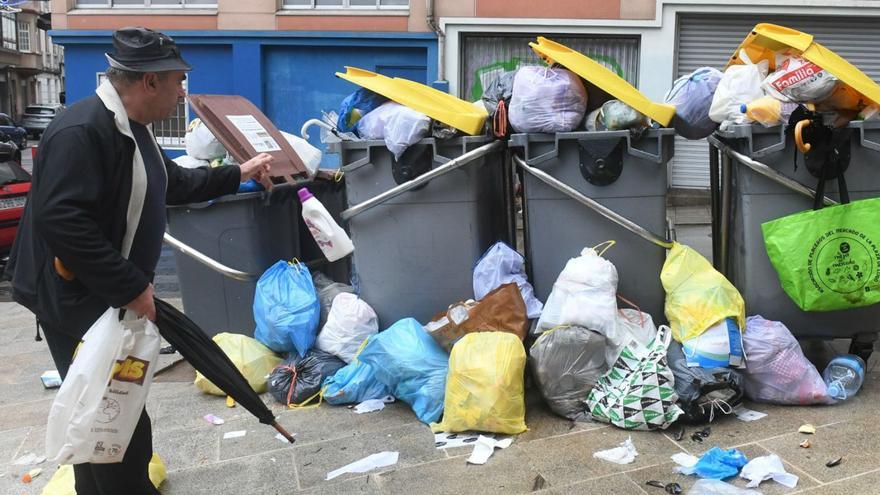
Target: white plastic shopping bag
{"points": [[350, 322], [102, 397], [740, 85], [584, 295]]}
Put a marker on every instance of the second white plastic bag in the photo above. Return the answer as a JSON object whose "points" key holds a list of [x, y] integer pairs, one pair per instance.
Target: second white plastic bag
{"points": [[740, 85], [350, 322]]}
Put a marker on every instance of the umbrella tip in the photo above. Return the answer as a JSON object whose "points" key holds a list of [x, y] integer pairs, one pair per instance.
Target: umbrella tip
{"points": [[283, 432]]}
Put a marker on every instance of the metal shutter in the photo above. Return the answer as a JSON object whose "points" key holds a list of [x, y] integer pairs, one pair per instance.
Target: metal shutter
{"points": [[709, 40], [484, 57]]}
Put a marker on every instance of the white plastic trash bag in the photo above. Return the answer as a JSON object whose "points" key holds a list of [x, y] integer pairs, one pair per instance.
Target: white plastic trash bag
{"points": [[201, 144], [350, 322], [310, 155], [740, 85], [92, 418], [545, 99], [187, 161], [400, 126], [798, 80], [584, 295], [500, 265]]}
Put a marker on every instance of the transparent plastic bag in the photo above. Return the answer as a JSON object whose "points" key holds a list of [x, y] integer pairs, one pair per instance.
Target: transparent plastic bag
{"points": [[739, 85], [546, 99], [692, 96], [500, 265], [399, 126]]}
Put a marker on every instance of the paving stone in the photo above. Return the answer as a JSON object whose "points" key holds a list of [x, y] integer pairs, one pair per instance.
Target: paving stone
{"points": [[665, 473], [260, 438], [187, 448], [10, 441], [364, 485], [866, 483], [616, 484], [415, 443], [330, 422], [258, 474], [855, 441], [569, 459], [33, 413], [508, 471]]}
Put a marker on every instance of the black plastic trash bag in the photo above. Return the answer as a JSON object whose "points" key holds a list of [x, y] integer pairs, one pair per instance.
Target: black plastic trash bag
{"points": [[704, 393], [500, 90], [566, 363], [327, 290], [298, 379]]}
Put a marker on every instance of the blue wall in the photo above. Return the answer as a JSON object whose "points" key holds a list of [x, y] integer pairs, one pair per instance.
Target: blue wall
{"points": [[289, 75]]}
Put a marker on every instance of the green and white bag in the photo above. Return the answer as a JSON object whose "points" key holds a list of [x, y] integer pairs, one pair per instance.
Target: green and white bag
{"points": [[638, 392], [828, 259]]}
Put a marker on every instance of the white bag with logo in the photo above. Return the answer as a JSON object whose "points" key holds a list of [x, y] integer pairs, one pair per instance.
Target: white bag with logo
{"points": [[92, 418]]}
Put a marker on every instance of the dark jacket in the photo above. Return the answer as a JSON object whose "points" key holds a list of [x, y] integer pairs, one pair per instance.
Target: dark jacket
{"points": [[84, 191]]}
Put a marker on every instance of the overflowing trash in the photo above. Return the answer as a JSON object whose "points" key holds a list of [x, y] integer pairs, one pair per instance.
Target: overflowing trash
{"points": [[501, 310], [356, 382], [286, 308], [705, 393], [399, 126], [350, 322], [298, 380], [547, 99], [254, 360], [501, 265], [692, 96]]}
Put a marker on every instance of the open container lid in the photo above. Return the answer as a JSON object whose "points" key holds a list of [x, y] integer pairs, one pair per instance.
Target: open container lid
{"points": [[598, 75], [448, 109], [767, 39], [246, 132]]}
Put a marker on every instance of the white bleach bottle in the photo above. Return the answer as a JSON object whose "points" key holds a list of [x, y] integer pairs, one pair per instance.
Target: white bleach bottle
{"points": [[331, 238]]}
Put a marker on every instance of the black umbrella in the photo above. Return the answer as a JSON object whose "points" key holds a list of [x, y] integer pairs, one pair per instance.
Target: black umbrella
{"points": [[209, 359]]}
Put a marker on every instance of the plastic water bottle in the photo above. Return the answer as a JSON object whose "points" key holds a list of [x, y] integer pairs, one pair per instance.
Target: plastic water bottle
{"points": [[844, 376], [768, 111], [331, 238]]}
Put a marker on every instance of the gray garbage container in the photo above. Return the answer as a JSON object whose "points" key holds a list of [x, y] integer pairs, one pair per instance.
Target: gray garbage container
{"points": [[755, 199], [414, 254], [557, 227], [248, 232]]}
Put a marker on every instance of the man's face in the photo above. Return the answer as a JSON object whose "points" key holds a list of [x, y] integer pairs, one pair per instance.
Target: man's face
{"points": [[165, 90]]}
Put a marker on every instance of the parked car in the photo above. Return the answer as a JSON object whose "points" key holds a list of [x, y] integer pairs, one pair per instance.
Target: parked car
{"points": [[13, 130], [15, 182], [37, 117]]}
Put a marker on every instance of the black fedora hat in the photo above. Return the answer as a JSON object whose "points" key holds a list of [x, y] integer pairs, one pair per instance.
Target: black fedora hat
{"points": [[140, 49]]}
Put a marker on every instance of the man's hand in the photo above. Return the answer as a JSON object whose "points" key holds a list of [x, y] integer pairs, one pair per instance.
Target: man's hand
{"points": [[143, 304], [256, 168]]}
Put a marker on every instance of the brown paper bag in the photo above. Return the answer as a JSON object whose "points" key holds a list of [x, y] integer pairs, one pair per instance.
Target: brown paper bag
{"points": [[502, 310]]}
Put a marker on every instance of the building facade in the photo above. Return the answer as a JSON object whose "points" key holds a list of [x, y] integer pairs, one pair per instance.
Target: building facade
{"points": [[283, 54], [31, 65]]}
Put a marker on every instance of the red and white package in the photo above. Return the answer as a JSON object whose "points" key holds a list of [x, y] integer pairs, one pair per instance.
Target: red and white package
{"points": [[798, 80]]}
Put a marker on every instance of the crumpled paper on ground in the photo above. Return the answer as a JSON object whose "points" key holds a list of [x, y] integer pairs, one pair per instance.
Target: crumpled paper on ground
{"points": [[485, 447], [767, 467], [373, 405], [375, 461], [624, 454]]}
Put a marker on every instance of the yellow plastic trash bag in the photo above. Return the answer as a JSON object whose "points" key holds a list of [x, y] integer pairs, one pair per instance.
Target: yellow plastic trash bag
{"points": [[62, 482], [697, 295], [484, 387], [253, 359]]}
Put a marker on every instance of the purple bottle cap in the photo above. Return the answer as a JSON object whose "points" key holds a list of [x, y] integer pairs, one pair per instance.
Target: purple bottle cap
{"points": [[304, 194]]}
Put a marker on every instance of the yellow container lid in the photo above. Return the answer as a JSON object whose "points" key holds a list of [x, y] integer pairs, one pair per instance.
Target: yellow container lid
{"points": [[464, 116], [766, 40], [597, 74]]}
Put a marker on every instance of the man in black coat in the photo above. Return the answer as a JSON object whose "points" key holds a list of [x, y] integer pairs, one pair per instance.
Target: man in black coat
{"points": [[92, 231]]}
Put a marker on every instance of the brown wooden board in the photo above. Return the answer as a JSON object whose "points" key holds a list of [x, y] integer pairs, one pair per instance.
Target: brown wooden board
{"points": [[216, 110]]}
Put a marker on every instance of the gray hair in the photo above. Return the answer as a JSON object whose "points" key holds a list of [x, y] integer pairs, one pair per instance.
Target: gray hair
{"points": [[125, 78]]}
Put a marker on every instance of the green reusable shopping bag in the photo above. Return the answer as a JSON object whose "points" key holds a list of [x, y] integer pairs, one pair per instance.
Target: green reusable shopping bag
{"points": [[828, 259]]}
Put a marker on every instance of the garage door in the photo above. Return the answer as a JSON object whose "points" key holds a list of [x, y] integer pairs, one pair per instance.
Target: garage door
{"points": [[484, 57], [710, 40]]}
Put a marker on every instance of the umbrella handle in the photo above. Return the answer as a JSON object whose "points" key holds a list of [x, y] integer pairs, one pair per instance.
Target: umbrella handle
{"points": [[799, 137], [283, 432]]}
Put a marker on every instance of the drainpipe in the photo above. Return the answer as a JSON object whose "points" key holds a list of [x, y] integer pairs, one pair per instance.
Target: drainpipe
{"points": [[441, 56]]}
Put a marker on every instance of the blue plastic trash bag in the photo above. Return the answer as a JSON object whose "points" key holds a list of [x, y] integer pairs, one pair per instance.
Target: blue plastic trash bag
{"points": [[353, 384], [355, 106], [718, 464], [412, 365], [500, 265], [250, 186], [286, 308], [692, 96]]}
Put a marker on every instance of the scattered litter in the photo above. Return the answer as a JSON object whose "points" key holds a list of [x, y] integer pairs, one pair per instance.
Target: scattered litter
{"points": [[767, 467], [806, 444], [835, 462], [368, 463], [51, 379], [372, 405], [624, 454], [700, 435], [748, 415], [671, 488], [214, 420], [234, 434], [679, 434], [452, 440], [29, 459], [30, 475], [717, 464], [283, 439], [807, 429], [718, 487], [230, 402], [656, 484], [539, 484], [685, 460], [485, 447]]}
